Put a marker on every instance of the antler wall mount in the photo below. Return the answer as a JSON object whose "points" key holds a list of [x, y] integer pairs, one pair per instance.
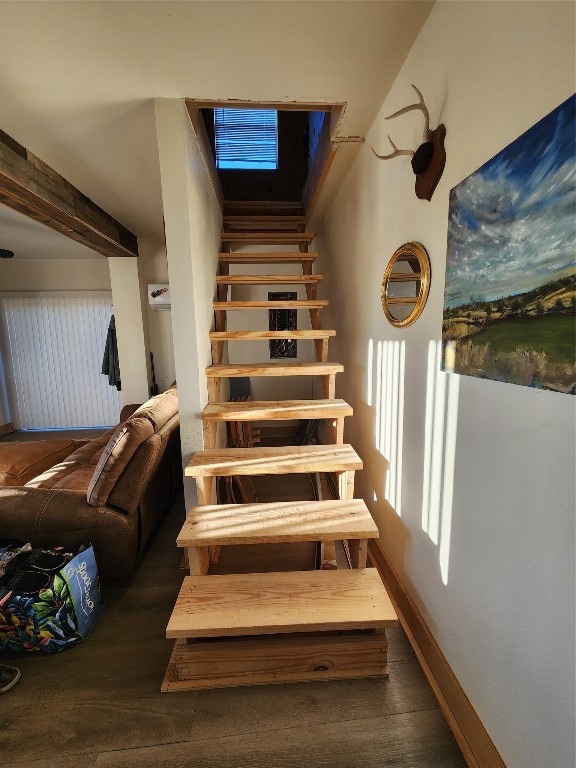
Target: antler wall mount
{"points": [[429, 159]]}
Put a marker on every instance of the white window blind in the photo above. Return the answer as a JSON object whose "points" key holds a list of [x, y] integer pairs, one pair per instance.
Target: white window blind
{"points": [[246, 139], [52, 350]]}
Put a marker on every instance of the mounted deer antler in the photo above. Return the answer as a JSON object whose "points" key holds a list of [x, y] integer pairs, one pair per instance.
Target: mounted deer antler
{"points": [[429, 159]]}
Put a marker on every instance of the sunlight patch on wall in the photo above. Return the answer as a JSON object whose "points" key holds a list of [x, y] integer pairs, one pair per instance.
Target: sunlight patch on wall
{"points": [[449, 464], [388, 373], [440, 429], [369, 369]]}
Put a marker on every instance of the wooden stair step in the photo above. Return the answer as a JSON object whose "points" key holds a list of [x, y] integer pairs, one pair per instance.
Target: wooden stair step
{"points": [[275, 460], [254, 410], [255, 335], [260, 222], [265, 217], [268, 238], [303, 304], [268, 279], [234, 370], [262, 208], [273, 257], [272, 603], [290, 521]]}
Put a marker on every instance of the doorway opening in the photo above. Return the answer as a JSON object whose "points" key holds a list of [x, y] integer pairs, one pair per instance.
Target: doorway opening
{"points": [[305, 148]]}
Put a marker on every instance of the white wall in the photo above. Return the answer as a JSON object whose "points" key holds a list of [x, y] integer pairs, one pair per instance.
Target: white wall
{"points": [[471, 481], [54, 275], [131, 321], [193, 222], [155, 265]]}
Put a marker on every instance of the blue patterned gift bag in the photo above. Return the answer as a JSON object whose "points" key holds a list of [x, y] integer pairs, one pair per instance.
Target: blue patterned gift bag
{"points": [[49, 610]]}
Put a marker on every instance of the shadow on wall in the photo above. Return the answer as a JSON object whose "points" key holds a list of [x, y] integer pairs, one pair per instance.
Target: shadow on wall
{"points": [[381, 415]]}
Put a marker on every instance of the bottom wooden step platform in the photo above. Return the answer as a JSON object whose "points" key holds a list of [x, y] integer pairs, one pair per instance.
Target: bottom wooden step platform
{"points": [[228, 662], [260, 628]]}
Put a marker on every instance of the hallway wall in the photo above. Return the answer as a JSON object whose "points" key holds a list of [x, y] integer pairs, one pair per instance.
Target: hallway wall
{"points": [[471, 481], [55, 275], [193, 222]]}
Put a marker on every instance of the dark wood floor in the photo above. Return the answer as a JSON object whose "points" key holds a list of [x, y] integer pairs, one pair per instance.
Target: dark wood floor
{"points": [[99, 705]]}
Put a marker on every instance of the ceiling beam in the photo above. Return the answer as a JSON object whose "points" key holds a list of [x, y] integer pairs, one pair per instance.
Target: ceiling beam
{"points": [[31, 187]]}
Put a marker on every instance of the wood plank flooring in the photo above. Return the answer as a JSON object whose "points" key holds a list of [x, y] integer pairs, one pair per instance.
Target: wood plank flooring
{"points": [[100, 706]]}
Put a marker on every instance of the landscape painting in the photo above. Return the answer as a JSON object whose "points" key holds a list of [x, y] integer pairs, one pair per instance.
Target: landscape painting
{"points": [[510, 295]]}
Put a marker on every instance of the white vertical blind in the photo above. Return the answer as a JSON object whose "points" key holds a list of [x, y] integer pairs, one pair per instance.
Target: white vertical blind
{"points": [[54, 350], [246, 139]]}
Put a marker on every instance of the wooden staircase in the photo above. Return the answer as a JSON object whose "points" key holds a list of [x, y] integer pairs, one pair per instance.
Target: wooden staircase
{"points": [[256, 628]]}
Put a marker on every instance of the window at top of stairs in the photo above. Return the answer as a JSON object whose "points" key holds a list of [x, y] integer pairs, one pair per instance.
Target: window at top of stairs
{"points": [[246, 139]]}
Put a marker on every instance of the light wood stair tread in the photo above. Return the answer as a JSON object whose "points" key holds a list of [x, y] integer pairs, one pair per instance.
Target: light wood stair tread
{"points": [[273, 603], [279, 217], [258, 222], [271, 238], [303, 304], [254, 410], [228, 524], [267, 279], [262, 207], [273, 460], [252, 335], [232, 370], [273, 257]]}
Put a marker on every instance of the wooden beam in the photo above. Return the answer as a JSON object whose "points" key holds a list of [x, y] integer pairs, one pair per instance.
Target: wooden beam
{"points": [[283, 106], [31, 187]]}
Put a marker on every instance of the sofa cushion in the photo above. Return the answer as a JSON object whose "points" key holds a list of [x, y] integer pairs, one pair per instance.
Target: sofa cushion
{"points": [[159, 409], [146, 420], [128, 491], [116, 455], [22, 461], [97, 466], [75, 470]]}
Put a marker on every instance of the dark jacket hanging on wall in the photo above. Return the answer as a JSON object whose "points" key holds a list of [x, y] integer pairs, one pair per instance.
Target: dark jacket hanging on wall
{"points": [[110, 362]]}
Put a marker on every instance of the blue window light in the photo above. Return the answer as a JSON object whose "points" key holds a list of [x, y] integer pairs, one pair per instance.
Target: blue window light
{"points": [[246, 139]]}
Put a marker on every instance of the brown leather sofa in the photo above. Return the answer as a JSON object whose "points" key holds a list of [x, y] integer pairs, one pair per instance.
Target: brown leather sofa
{"points": [[110, 491]]}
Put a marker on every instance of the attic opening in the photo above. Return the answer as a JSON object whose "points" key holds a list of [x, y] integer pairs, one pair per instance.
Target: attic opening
{"points": [[273, 152]]}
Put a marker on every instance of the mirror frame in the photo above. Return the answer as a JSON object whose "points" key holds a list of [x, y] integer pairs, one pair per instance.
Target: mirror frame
{"points": [[417, 257]]}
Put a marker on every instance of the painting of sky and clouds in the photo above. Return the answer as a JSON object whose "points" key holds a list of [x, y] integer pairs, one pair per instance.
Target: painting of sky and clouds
{"points": [[510, 295]]}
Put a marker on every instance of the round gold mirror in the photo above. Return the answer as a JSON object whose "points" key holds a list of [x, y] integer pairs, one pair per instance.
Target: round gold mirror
{"points": [[405, 285]]}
